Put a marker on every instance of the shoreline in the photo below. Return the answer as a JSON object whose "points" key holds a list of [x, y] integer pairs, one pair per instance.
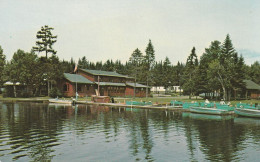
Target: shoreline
{"points": [[116, 105], [9, 100]]}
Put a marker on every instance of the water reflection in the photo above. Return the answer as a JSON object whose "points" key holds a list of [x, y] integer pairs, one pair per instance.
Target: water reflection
{"points": [[28, 131], [42, 132]]}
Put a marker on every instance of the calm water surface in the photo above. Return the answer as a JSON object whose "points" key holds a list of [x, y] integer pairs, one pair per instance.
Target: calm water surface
{"points": [[42, 132]]}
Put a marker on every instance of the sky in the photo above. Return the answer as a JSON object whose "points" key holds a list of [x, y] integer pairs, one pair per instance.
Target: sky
{"points": [[113, 29]]}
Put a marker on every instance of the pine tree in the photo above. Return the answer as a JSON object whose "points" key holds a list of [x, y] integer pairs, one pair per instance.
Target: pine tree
{"points": [[158, 74], [135, 64], [190, 78], [84, 63], [227, 50], [149, 60], [150, 56], [166, 79], [2, 67], [227, 70], [136, 57], [208, 84], [46, 41], [254, 72]]}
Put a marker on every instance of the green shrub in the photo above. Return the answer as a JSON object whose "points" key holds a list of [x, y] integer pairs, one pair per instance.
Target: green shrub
{"points": [[55, 92]]}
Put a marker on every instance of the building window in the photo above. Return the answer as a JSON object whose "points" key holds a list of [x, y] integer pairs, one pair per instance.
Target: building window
{"points": [[79, 89], [65, 87], [87, 86]]}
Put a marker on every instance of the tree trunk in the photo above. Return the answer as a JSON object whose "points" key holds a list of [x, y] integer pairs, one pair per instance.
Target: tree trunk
{"points": [[146, 87], [48, 88], [224, 93], [15, 91], [235, 93], [229, 95]]}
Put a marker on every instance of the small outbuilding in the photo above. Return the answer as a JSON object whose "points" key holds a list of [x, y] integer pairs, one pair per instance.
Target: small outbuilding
{"points": [[252, 90], [13, 89]]}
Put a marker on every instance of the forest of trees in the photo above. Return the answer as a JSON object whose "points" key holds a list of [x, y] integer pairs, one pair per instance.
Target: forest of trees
{"points": [[220, 68]]}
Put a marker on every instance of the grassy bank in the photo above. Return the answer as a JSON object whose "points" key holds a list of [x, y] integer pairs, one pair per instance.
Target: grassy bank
{"points": [[167, 100]]}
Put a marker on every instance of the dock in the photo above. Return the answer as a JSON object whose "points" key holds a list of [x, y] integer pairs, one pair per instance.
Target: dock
{"points": [[177, 108]]}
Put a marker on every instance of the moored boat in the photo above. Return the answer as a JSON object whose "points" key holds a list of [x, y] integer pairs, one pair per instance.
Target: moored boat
{"points": [[188, 105], [199, 116], [138, 103], [176, 104], [248, 112], [213, 111]]}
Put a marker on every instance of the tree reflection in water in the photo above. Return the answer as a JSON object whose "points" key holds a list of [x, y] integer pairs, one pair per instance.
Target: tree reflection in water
{"points": [[41, 132]]}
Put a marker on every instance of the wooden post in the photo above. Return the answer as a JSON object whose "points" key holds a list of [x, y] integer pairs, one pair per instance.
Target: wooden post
{"points": [[98, 87], [14, 90]]}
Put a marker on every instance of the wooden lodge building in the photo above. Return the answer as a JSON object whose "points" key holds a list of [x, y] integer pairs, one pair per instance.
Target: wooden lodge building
{"points": [[108, 83]]}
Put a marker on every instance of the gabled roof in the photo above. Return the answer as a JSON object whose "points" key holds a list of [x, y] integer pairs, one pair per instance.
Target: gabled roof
{"points": [[104, 73], [73, 78], [251, 85], [111, 84], [137, 85]]}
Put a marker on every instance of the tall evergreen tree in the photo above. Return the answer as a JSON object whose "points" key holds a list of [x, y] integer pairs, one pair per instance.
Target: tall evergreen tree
{"points": [[178, 72], [119, 67], [136, 57], [2, 67], [227, 50], [98, 65], [208, 84], [83, 63], [167, 71], [254, 72], [190, 78], [150, 56], [135, 63], [228, 70], [158, 73], [149, 60], [108, 66], [46, 41]]}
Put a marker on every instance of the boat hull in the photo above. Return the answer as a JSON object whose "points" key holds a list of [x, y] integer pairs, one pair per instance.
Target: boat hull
{"points": [[60, 101], [248, 112], [212, 111]]}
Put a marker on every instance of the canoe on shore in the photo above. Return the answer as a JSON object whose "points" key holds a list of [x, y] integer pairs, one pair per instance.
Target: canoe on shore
{"points": [[60, 101], [213, 111], [248, 112]]}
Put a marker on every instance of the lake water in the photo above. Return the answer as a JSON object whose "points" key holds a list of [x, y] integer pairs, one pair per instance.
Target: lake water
{"points": [[42, 132]]}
